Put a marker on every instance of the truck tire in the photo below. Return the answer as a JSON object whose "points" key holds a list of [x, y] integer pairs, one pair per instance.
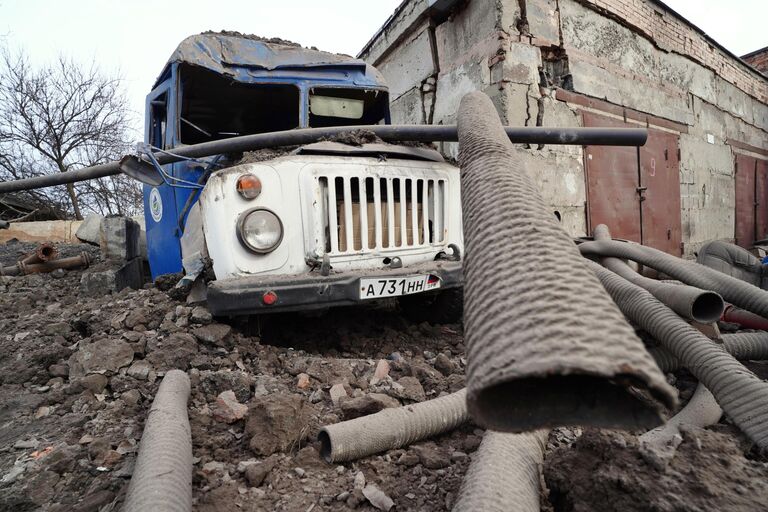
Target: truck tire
{"points": [[445, 307]]}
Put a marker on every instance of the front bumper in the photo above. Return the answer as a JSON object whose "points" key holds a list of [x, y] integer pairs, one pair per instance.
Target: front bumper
{"points": [[244, 295]]}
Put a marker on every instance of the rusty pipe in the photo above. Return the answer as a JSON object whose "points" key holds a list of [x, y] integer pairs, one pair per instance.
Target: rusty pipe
{"points": [[42, 253], [22, 269], [744, 318]]}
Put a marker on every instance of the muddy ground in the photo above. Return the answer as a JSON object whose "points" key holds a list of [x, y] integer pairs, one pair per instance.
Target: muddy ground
{"points": [[78, 374]]}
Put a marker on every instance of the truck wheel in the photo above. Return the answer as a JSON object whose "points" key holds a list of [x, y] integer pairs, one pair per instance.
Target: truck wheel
{"points": [[445, 307]]}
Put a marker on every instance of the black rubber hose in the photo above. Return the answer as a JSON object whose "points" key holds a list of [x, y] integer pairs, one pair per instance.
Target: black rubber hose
{"points": [[419, 133], [742, 395], [744, 346], [689, 302], [733, 290], [546, 345]]}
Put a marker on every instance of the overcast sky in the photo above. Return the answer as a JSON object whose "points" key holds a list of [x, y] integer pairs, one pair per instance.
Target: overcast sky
{"points": [[137, 37]]}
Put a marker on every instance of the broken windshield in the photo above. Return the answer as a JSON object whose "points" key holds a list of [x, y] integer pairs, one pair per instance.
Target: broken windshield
{"points": [[333, 106], [214, 106]]}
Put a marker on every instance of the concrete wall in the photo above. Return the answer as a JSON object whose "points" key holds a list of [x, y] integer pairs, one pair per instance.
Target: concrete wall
{"points": [[42, 231], [634, 54]]}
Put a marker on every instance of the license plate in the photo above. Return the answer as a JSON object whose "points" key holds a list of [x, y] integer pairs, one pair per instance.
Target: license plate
{"points": [[378, 287]]}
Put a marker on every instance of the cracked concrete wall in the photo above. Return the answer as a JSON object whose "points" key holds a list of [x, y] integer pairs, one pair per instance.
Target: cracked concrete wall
{"points": [[520, 51]]}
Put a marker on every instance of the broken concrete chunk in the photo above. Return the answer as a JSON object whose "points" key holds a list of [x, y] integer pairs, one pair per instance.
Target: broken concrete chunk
{"points": [[90, 230], [200, 315], [106, 355], [377, 498], [337, 392], [139, 369], [119, 238], [381, 372], [215, 334], [228, 409], [359, 482], [409, 388]]}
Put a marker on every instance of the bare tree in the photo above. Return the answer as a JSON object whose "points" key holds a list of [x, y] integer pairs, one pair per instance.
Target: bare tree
{"points": [[60, 117]]}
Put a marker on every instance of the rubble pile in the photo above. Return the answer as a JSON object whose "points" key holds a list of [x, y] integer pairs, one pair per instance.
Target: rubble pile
{"points": [[78, 374]]}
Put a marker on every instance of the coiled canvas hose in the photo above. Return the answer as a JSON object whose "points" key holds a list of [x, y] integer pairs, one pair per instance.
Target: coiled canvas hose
{"points": [[743, 346], [701, 410], [392, 428], [733, 290], [162, 479], [504, 473], [689, 302], [546, 345], [742, 395]]}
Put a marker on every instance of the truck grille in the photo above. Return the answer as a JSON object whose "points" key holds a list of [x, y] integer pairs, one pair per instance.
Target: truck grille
{"points": [[361, 214]]}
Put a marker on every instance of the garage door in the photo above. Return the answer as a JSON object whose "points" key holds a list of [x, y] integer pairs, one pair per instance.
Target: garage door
{"points": [[635, 192]]}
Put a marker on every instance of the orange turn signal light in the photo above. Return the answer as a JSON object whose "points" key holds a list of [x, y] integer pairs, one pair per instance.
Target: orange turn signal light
{"points": [[249, 186]]}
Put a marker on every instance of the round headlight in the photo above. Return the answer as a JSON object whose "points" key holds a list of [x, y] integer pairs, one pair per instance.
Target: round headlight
{"points": [[259, 230]]}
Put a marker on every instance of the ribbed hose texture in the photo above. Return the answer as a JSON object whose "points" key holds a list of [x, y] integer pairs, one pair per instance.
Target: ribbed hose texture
{"points": [[744, 346], [504, 474], [701, 410], [687, 301], [733, 290], [162, 478], [392, 428], [742, 395], [546, 345]]}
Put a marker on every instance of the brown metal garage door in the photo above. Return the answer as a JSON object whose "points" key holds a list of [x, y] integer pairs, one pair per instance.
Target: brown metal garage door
{"points": [[635, 192], [751, 199]]}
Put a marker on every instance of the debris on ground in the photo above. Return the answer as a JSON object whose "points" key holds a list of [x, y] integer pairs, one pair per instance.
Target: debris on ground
{"points": [[79, 373]]}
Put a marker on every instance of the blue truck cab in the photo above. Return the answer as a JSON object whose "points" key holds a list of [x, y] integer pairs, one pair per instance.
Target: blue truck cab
{"points": [[325, 224], [219, 85]]}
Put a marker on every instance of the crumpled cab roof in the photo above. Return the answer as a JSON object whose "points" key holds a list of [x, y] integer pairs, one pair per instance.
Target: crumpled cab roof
{"points": [[237, 54]]}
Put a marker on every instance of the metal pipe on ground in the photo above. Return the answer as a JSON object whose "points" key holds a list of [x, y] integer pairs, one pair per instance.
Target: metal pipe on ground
{"points": [[742, 395], [744, 318], [546, 345], [692, 303], [418, 133], [744, 346], [392, 428], [71, 263], [162, 478], [504, 473], [735, 291], [42, 253]]}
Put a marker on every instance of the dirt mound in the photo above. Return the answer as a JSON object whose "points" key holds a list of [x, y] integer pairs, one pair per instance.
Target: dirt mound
{"points": [[609, 471]]}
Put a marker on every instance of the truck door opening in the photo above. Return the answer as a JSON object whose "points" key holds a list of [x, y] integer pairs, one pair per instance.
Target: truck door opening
{"points": [[215, 106]]}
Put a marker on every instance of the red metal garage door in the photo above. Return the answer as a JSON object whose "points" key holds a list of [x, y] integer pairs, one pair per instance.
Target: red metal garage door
{"points": [[660, 183], [612, 182], [636, 193], [751, 200]]}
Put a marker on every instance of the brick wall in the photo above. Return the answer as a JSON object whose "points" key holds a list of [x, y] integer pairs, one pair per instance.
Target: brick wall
{"points": [[758, 60], [673, 34]]}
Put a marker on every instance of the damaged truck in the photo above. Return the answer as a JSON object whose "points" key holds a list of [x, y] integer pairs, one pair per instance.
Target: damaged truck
{"points": [[309, 227]]}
